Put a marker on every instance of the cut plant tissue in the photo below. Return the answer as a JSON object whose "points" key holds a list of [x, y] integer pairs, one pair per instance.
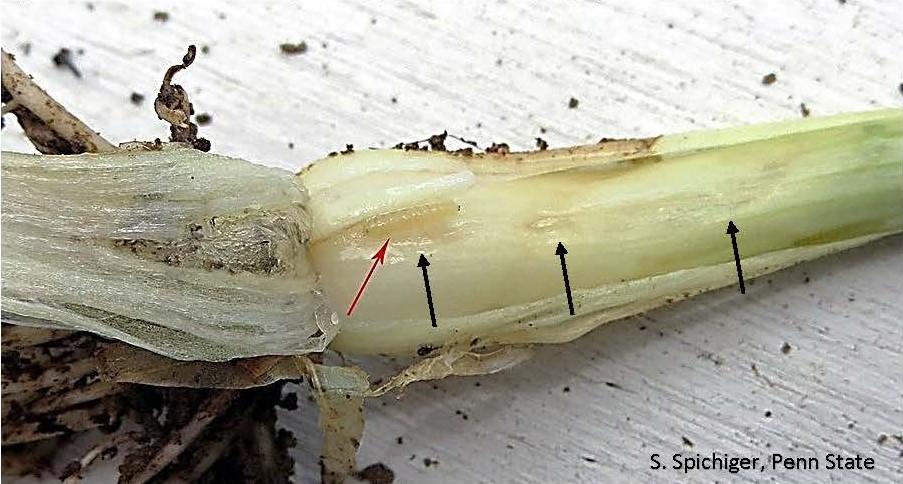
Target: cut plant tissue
{"points": [[203, 257]]}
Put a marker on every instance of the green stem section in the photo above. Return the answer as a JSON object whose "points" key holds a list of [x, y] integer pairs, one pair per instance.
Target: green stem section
{"points": [[643, 222]]}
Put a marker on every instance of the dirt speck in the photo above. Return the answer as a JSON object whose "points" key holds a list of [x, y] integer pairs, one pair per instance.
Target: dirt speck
{"points": [[136, 98], [573, 103], [378, 473], [542, 144], [64, 59], [804, 110], [172, 105], [499, 148], [686, 441], [428, 462], [161, 16], [768, 414], [566, 389], [769, 79], [293, 49], [786, 348], [437, 141], [203, 119]]}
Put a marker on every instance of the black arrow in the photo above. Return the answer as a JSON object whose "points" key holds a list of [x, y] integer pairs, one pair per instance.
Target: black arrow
{"points": [[560, 252], [423, 264], [732, 231]]}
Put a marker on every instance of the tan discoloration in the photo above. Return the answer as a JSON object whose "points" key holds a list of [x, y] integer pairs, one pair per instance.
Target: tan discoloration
{"points": [[842, 233]]}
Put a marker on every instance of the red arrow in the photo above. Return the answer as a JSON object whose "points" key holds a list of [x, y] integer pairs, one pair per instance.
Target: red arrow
{"points": [[378, 258]]}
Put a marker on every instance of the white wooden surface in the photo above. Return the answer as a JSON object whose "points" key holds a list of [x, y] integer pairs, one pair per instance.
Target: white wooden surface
{"points": [[377, 73]]}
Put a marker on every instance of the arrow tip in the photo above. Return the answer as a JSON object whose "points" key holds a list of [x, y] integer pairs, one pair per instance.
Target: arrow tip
{"points": [[423, 262], [380, 255], [731, 228], [560, 250]]}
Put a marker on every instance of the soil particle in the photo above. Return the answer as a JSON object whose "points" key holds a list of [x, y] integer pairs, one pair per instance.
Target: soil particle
{"points": [[768, 414], [428, 462], [769, 79], [573, 103], [566, 389], [378, 473], [348, 150], [461, 414], [786, 348], [161, 16], [686, 441], [203, 119], [542, 144], [804, 110], [289, 401], [136, 98], [172, 105], [499, 148], [708, 355], [882, 439], [63, 58], [49, 425], [437, 141], [109, 453], [399, 441], [293, 49]]}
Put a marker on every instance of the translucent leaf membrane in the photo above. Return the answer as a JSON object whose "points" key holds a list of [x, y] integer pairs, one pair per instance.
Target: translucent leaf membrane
{"points": [[190, 255], [643, 221]]}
